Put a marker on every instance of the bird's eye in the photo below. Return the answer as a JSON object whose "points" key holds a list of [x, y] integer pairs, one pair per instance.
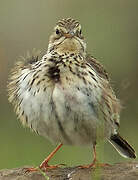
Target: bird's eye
{"points": [[57, 31]]}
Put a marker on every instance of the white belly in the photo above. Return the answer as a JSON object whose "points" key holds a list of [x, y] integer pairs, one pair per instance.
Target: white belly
{"points": [[70, 116]]}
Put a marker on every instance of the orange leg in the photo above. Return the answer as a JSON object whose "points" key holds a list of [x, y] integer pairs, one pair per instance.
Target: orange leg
{"points": [[94, 163], [94, 160], [44, 164]]}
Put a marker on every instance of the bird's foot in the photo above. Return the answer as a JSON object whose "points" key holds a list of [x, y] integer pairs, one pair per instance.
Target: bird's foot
{"points": [[44, 167], [33, 169], [94, 164]]}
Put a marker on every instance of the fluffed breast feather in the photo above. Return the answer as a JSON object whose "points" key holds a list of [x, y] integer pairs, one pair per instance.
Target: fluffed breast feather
{"points": [[24, 67], [23, 63]]}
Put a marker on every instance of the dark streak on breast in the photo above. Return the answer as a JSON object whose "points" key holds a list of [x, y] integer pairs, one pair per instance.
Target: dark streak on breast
{"points": [[95, 79], [25, 76], [91, 104], [91, 73], [54, 73], [65, 136], [32, 82], [26, 119]]}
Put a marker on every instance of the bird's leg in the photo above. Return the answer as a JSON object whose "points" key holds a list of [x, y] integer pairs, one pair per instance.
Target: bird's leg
{"points": [[44, 164], [94, 155], [95, 162]]}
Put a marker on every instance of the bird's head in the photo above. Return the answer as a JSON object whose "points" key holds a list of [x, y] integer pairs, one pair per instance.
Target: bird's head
{"points": [[67, 38]]}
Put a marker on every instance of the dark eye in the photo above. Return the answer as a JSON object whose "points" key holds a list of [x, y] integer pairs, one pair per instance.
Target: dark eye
{"points": [[57, 31]]}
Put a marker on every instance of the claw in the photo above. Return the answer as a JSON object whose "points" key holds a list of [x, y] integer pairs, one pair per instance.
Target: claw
{"points": [[87, 166], [28, 170]]}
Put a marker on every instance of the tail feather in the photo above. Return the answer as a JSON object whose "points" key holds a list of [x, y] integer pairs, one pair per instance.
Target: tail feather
{"points": [[122, 146]]}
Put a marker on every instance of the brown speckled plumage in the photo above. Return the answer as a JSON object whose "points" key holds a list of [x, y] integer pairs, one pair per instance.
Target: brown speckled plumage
{"points": [[65, 94]]}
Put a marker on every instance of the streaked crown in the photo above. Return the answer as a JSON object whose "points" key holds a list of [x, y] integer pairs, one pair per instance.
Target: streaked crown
{"points": [[68, 23]]}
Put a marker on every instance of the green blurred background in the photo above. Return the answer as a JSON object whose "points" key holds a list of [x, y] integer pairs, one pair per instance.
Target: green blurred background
{"points": [[110, 28]]}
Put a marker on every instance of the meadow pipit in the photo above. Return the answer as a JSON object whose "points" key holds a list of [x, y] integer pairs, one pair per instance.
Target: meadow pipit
{"points": [[66, 95]]}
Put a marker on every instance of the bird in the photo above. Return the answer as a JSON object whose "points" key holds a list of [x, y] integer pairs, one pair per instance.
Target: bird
{"points": [[65, 94]]}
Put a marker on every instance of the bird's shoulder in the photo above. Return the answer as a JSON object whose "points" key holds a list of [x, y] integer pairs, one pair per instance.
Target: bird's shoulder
{"points": [[30, 58], [99, 68], [22, 73]]}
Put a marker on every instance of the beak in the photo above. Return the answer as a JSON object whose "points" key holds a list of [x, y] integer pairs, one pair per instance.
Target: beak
{"points": [[69, 35]]}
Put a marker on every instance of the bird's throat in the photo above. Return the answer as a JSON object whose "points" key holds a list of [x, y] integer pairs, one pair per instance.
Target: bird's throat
{"points": [[69, 45]]}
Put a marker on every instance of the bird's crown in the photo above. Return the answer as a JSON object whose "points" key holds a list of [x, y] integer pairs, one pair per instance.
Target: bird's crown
{"points": [[68, 23]]}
